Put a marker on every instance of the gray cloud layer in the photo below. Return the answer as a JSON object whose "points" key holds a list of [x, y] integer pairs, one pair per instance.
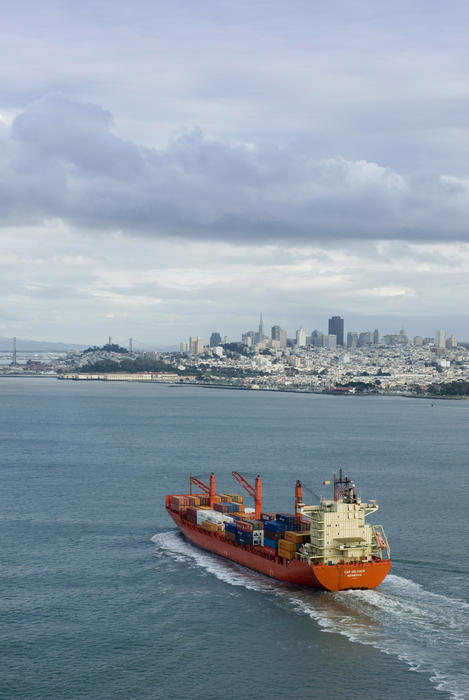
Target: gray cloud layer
{"points": [[62, 159]]}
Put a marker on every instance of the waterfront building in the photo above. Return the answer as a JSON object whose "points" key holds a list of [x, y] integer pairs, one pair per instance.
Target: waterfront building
{"points": [[336, 327]]}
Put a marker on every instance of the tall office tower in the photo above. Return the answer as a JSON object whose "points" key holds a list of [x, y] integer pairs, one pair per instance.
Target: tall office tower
{"points": [[352, 339], [418, 341], [300, 337], [336, 327], [330, 341], [376, 336], [280, 335], [215, 339], [440, 339], [451, 342], [196, 346], [365, 338], [317, 339], [260, 335], [246, 339]]}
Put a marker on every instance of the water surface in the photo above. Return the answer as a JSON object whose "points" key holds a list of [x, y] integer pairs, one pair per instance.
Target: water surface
{"points": [[102, 598]]}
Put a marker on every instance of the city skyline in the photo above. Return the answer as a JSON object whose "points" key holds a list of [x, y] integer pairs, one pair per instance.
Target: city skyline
{"points": [[164, 170], [209, 336], [343, 338]]}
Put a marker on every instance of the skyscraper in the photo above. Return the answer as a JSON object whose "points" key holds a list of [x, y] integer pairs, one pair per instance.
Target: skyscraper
{"points": [[440, 339], [280, 335], [452, 342], [317, 338], [196, 345], [260, 335], [352, 339], [300, 337], [336, 327], [215, 339]]}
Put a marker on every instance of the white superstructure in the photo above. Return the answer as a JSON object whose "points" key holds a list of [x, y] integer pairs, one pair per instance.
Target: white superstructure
{"points": [[338, 529]]}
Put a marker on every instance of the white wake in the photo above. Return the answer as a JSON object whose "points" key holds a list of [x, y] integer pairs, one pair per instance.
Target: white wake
{"points": [[428, 631]]}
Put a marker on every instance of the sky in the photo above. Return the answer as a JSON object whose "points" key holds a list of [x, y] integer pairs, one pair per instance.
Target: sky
{"points": [[173, 169]]}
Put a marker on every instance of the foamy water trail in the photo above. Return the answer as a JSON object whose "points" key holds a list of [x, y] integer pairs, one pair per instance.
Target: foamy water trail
{"points": [[428, 631]]}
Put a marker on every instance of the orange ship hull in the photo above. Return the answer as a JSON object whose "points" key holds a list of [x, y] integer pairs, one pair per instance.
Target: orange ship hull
{"points": [[335, 577]]}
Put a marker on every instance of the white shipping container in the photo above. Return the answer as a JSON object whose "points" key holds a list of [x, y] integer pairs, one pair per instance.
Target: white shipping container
{"points": [[258, 538], [212, 516], [202, 515]]}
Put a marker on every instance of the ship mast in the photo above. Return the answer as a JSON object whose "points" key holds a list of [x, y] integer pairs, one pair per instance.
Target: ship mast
{"points": [[344, 489]]}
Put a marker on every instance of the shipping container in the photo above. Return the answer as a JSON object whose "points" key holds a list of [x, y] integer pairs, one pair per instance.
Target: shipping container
{"points": [[286, 554], [294, 536], [267, 516], [274, 526], [220, 507]]}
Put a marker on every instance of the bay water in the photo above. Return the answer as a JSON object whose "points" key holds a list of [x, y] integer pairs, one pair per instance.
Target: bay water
{"points": [[101, 596]]}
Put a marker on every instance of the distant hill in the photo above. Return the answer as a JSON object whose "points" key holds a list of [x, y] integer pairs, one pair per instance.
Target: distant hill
{"points": [[38, 345]]}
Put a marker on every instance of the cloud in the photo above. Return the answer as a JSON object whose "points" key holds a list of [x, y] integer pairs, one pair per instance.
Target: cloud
{"points": [[63, 159], [79, 287]]}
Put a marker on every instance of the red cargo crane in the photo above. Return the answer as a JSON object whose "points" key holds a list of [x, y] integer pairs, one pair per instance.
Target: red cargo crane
{"points": [[298, 495], [210, 490], [254, 491], [203, 487]]}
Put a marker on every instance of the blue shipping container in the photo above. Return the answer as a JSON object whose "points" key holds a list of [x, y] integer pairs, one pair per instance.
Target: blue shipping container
{"points": [[274, 526]]}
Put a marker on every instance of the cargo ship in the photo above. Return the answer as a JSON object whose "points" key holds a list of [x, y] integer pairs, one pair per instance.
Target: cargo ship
{"points": [[327, 546]]}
